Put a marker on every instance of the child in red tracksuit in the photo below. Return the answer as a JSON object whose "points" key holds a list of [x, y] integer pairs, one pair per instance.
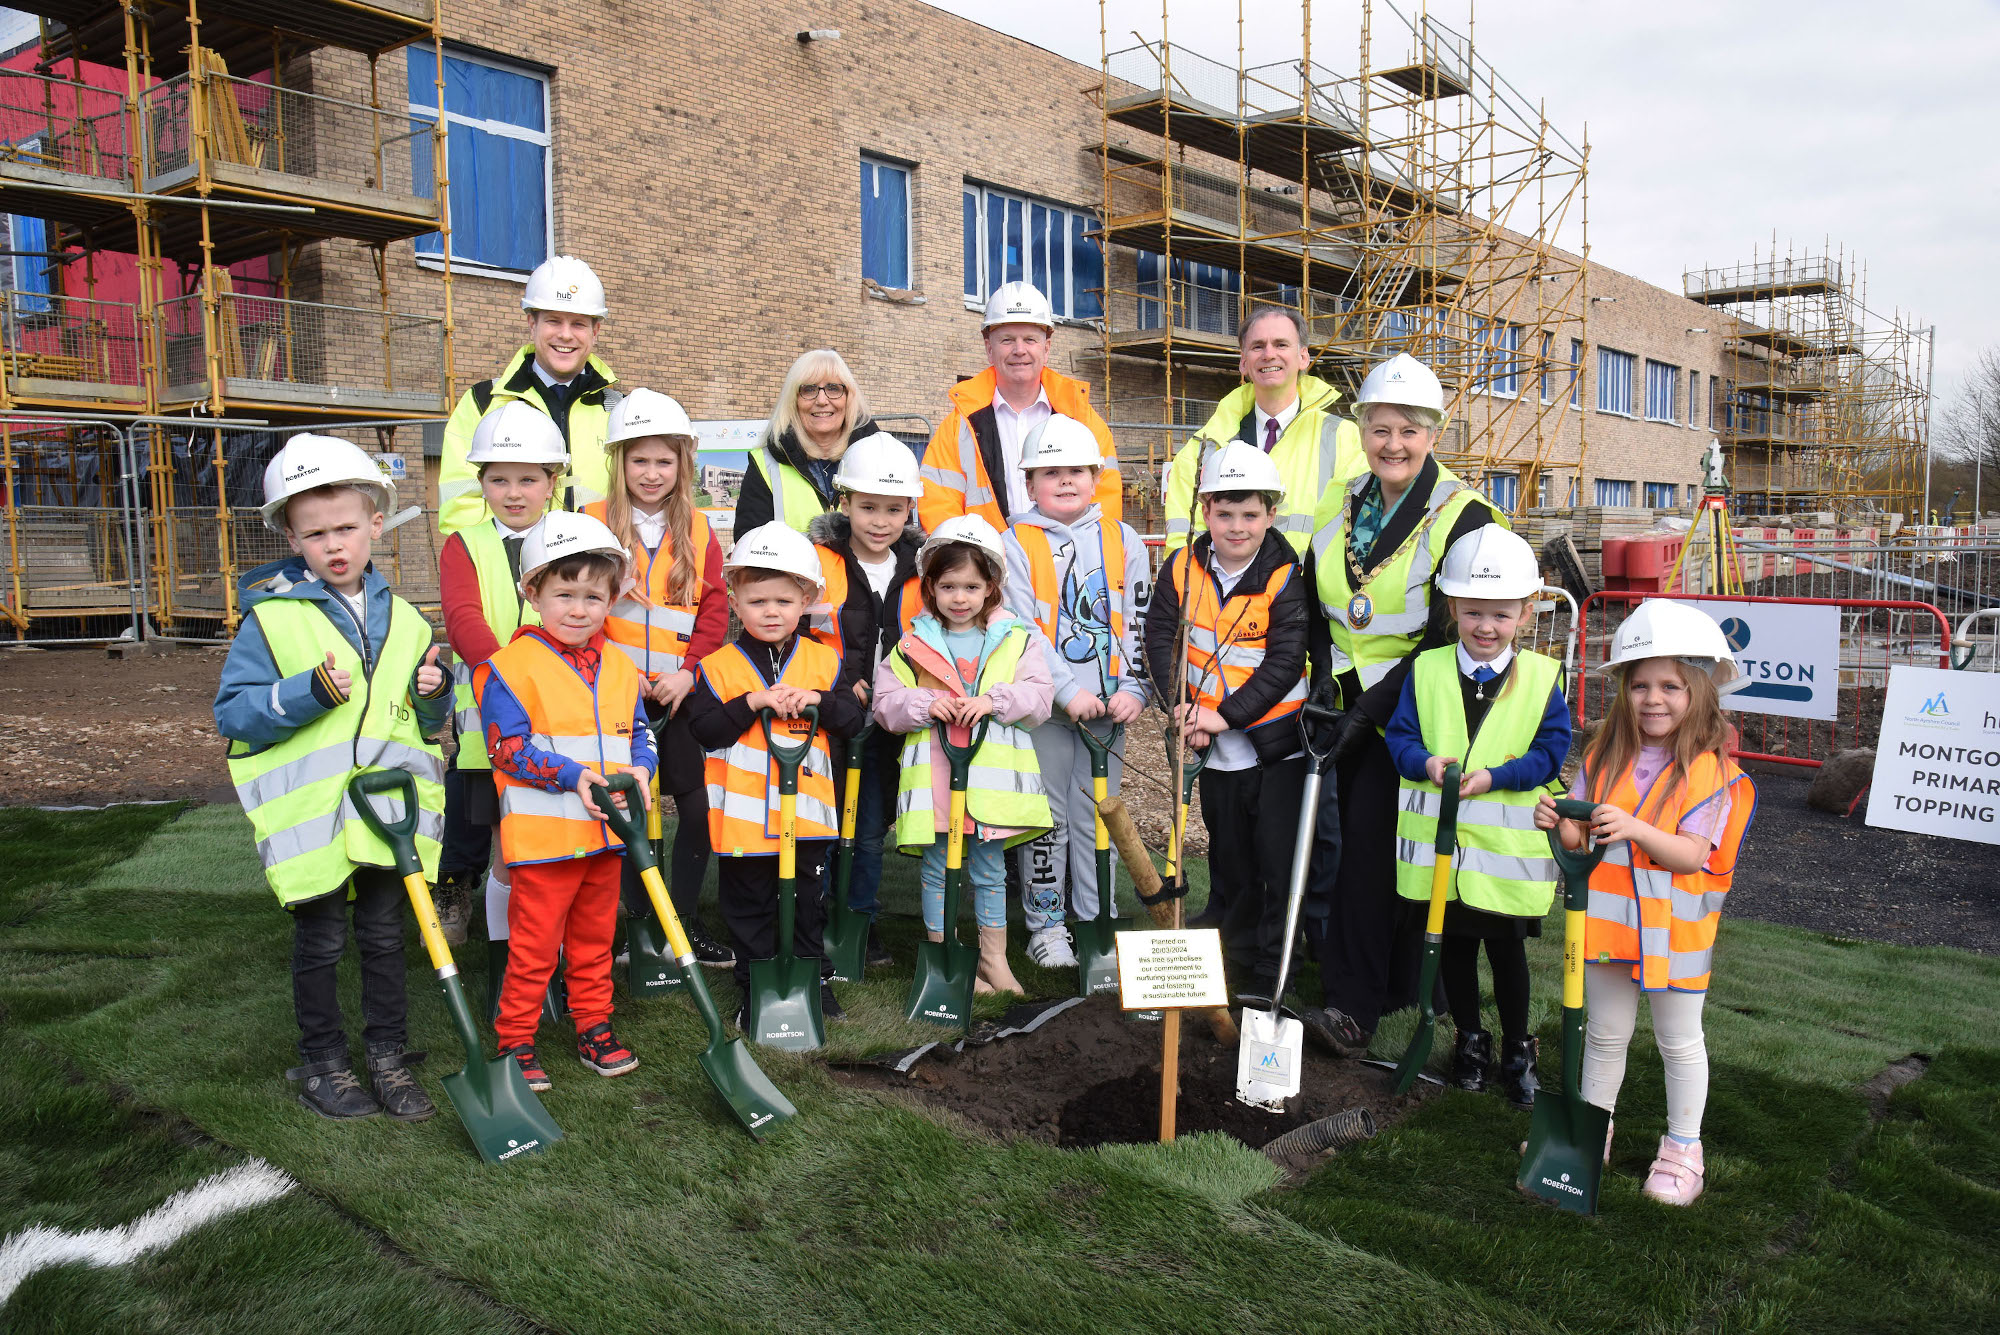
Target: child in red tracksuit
{"points": [[563, 710]]}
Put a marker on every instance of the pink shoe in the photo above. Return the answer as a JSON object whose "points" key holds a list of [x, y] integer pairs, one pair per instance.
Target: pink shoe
{"points": [[1676, 1176]]}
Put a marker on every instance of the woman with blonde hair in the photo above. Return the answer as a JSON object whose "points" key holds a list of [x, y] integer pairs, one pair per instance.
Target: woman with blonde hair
{"points": [[790, 477]]}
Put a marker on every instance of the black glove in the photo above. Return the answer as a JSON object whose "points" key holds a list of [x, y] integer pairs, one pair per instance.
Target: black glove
{"points": [[1355, 732]]}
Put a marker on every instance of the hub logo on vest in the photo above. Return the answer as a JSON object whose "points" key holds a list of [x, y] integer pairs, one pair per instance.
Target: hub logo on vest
{"points": [[1768, 678]]}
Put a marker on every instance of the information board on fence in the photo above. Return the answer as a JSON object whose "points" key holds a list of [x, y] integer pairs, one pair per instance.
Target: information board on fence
{"points": [[1937, 765], [1788, 653], [1158, 970]]}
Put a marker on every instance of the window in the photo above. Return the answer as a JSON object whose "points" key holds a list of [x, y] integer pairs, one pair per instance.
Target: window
{"points": [[497, 135], [1694, 395], [1502, 366], [1556, 491], [1011, 237], [1503, 489], [1206, 297], [1547, 339], [1661, 380], [1614, 382], [1613, 493], [1576, 374], [1660, 495], [885, 223], [30, 275]]}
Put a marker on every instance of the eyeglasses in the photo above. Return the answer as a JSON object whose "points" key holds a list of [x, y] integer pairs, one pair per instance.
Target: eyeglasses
{"points": [[831, 389]]}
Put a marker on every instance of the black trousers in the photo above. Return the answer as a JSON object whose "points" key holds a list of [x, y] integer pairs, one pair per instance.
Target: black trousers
{"points": [[1252, 817], [319, 939], [1373, 944], [687, 863], [1459, 969], [465, 845], [748, 891]]}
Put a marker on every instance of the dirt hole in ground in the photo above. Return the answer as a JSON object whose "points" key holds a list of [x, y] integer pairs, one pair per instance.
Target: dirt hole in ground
{"points": [[1091, 1076]]}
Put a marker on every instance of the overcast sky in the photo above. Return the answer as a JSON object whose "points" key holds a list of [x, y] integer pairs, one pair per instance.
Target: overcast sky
{"points": [[1713, 123]]}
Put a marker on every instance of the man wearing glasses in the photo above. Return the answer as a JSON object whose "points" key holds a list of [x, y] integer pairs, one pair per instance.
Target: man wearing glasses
{"points": [[973, 465]]}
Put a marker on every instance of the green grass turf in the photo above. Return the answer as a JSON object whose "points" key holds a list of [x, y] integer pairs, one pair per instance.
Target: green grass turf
{"points": [[164, 975]]}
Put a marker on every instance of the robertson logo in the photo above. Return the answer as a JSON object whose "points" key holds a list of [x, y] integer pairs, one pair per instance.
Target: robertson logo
{"points": [[1563, 1185], [515, 1147]]}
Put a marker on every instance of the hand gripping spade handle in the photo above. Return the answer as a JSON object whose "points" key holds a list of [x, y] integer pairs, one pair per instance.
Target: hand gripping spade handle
{"points": [[492, 1099], [941, 987], [725, 1061], [785, 1009]]}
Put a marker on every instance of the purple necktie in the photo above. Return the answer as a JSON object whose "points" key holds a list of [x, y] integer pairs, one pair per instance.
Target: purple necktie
{"points": [[1270, 434]]}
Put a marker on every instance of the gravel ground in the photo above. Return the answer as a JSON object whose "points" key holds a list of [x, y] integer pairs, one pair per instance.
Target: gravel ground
{"points": [[80, 728]]}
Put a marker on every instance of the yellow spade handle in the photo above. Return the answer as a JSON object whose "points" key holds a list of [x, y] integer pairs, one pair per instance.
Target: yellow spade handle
{"points": [[1440, 882], [653, 808], [788, 836], [954, 843], [1100, 791], [663, 908], [850, 805], [1173, 843], [427, 925], [1573, 959]]}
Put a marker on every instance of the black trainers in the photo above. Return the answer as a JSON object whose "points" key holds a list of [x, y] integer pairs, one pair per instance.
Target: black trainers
{"points": [[395, 1088], [1337, 1030], [1471, 1056], [454, 907], [878, 954], [742, 1020], [829, 1004], [708, 951], [600, 1050], [531, 1068], [329, 1088], [1208, 917]]}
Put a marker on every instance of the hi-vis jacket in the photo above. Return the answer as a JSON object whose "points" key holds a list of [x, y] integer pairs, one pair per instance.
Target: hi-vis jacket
{"points": [[1004, 797], [506, 611], [960, 467], [652, 631], [743, 798], [459, 502], [1663, 923], [1082, 584], [1376, 614], [1246, 652], [1318, 448], [1503, 863], [291, 754], [573, 725]]}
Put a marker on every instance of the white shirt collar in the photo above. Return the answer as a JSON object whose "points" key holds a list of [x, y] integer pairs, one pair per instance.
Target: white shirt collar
{"points": [[652, 528], [1467, 663], [1000, 405], [542, 373], [1284, 419], [506, 532]]}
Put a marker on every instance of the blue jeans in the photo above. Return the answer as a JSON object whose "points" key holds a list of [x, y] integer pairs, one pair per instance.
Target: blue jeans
{"points": [[873, 814], [985, 870]]}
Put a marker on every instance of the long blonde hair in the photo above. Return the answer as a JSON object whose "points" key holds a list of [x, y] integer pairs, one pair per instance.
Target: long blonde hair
{"points": [[1617, 741], [684, 575], [821, 364]]}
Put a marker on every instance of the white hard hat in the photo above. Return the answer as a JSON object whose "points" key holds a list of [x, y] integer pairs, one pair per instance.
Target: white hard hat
{"points": [[969, 529], [564, 283], [777, 546], [1661, 628], [1403, 381], [517, 432], [1490, 562], [880, 465], [1239, 466], [307, 461], [1018, 303], [568, 533], [647, 412], [1061, 442]]}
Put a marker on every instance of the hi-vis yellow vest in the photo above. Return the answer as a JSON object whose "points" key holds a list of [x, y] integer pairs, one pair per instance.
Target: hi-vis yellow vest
{"points": [[1503, 863], [1376, 622], [309, 836], [506, 612], [793, 501], [743, 777], [1004, 782]]}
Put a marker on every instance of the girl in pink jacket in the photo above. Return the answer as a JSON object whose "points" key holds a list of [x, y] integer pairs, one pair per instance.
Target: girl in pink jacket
{"points": [[966, 658]]}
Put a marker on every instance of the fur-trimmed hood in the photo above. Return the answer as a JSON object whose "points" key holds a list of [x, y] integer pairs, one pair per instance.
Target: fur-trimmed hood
{"points": [[834, 529]]}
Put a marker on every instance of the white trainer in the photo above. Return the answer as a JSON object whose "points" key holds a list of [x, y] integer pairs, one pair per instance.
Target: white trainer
{"points": [[1049, 948]]}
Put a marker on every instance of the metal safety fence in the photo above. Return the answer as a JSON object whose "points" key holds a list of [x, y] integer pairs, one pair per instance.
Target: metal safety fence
{"points": [[1876, 634]]}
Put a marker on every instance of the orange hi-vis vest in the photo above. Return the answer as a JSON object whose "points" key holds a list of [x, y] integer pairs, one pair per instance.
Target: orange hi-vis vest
{"points": [[591, 725], [653, 631], [1661, 923], [1034, 541], [823, 617], [743, 778], [1226, 636]]}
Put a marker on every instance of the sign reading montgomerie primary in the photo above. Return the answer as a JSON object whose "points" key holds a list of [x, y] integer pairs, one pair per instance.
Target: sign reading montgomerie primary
{"points": [[1788, 653], [1937, 765]]}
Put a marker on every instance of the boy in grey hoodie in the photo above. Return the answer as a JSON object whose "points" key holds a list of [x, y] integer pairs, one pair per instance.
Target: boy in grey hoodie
{"points": [[1082, 581]]}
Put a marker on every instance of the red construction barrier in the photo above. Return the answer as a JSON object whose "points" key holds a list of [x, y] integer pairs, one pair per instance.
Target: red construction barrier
{"points": [[1876, 635]]}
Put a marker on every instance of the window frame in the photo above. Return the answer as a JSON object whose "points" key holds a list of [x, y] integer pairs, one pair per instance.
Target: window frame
{"points": [[976, 192], [1672, 493], [1604, 482], [1672, 380], [1576, 375], [1694, 399], [1604, 356], [544, 138], [908, 170]]}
